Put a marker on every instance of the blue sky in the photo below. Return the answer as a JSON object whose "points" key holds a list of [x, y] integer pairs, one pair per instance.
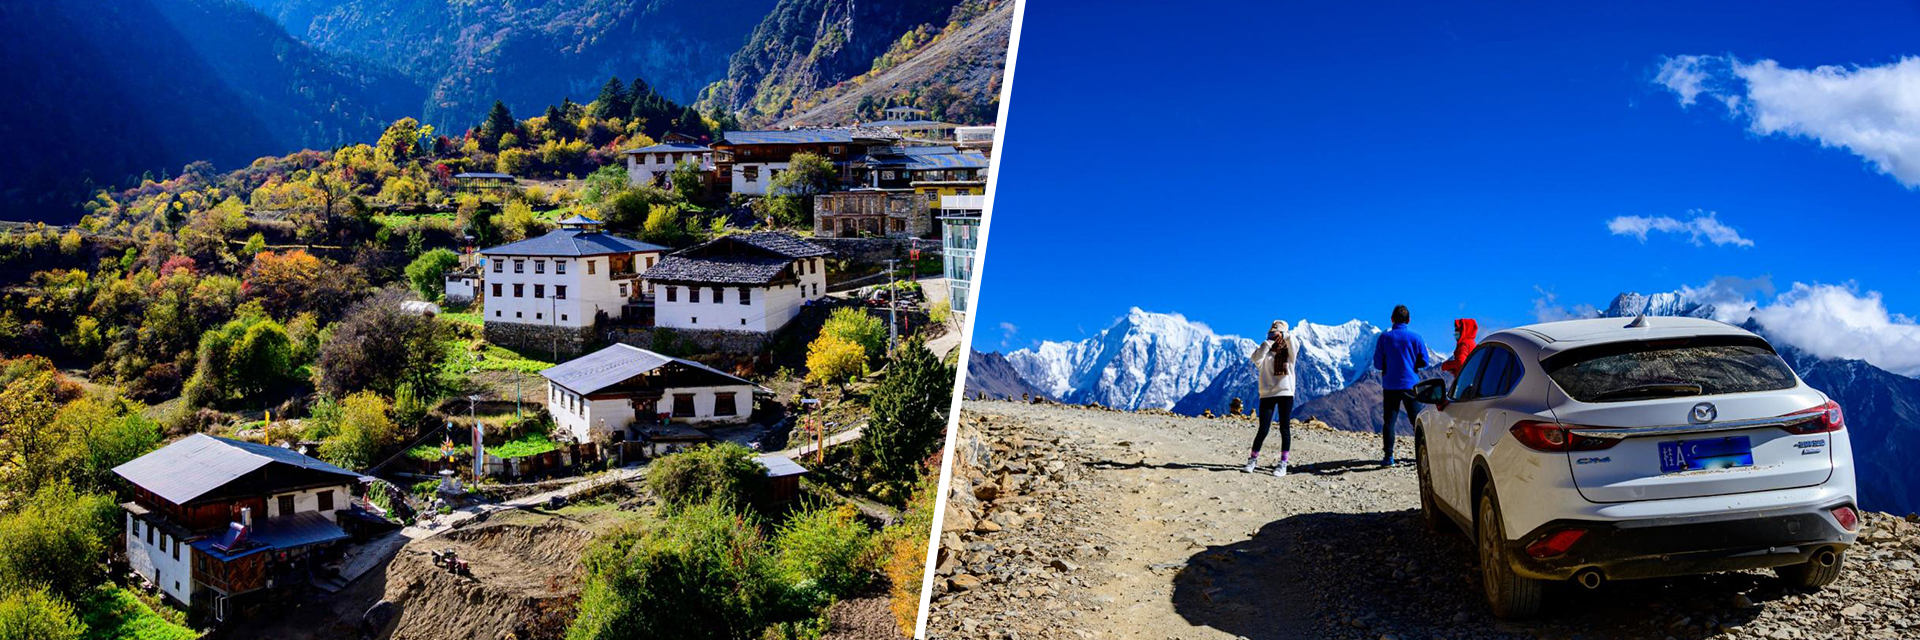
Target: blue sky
{"points": [[1252, 161]]}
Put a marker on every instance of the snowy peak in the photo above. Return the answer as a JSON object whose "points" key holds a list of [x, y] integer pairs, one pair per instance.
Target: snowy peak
{"points": [[1145, 359], [1671, 303]]}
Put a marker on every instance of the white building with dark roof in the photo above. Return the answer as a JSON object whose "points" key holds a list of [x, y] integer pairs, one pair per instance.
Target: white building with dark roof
{"points": [[212, 518], [562, 281], [650, 165], [746, 282], [623, 393]]}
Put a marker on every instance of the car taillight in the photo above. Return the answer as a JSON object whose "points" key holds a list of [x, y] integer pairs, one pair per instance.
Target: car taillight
{"points": [[1555, 543], [1554, 437], [1847, 518], [1830, 419]]}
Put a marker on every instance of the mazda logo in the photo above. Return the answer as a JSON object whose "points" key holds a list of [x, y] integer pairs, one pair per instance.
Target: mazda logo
{"points": [[1703, 412]]}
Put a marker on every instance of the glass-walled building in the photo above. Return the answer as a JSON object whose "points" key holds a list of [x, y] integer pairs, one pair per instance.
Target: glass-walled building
{"points": [[959, 239]]}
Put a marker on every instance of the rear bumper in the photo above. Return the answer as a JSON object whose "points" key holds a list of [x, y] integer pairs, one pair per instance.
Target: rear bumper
{"points": [[1682, 546]]}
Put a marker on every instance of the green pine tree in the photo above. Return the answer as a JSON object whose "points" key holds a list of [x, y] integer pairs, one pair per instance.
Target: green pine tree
{"points": [[909, 412], [614, 101], [499, 122]]}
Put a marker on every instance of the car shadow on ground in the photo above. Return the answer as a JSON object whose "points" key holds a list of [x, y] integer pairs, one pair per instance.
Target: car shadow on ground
{"points": [[1365, 575], [1328, 468]]}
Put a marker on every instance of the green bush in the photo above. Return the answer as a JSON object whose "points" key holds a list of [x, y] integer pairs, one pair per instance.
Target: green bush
{"points": [[33, 614], [114, 612], [56, 540], [723, 473], [428, 273], [827, 546], [702, 573]]}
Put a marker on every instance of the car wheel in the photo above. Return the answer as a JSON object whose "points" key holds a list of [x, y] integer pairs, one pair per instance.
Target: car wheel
{"points": [[1811, 574], [1510, 595], [1429, 510]]}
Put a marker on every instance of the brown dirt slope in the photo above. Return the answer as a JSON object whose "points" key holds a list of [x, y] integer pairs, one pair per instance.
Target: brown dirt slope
{"points": [[1068, 522], [972, 61]]}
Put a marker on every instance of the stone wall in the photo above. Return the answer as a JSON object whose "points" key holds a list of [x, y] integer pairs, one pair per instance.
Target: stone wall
{"points": [[876, 250], [704, 340], [540, 338]]}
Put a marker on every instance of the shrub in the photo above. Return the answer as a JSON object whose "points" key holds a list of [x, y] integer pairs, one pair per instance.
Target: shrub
{"points": [[57, 540], [702, 573], [379, 346], [904, 546], [723, 473], [364, 427], [827, 546], [859, 327], [33, 614], [428, 273], [832, 359]]}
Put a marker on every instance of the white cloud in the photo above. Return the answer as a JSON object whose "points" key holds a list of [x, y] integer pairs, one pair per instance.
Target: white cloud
{"points": [[1007, 331], [1838, 321], [1702, 226], [1873, 111], [1547, 309]]}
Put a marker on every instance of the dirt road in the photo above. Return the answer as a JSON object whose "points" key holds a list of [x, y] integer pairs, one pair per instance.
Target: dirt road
{"points": [[1080, 523]]}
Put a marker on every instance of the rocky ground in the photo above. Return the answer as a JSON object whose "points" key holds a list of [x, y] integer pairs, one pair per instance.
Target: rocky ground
{"points": [[1068, 522]]}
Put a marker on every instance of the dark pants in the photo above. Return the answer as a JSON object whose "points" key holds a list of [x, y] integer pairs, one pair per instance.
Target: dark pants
{"points": [[1267, 406], [1394, 400]]}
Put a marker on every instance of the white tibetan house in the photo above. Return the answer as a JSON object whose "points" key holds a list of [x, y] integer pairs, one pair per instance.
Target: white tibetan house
{"points": [[556, 287], [753, 282], [650, 165], [617, 393]]}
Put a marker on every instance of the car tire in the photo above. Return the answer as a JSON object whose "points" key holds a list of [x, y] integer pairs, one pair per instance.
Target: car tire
{"points": [[1810, 575], [1510, 595], [1429, 509]]}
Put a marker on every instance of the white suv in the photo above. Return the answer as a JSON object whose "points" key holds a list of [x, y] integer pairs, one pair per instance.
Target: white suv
{"points": [[1609, 449]]}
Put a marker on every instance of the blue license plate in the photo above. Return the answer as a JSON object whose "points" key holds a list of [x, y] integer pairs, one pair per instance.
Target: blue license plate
{"points": [[1706, 453]]}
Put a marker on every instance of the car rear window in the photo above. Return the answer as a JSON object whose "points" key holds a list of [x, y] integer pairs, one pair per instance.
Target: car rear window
{"points": [[1624, 371]]}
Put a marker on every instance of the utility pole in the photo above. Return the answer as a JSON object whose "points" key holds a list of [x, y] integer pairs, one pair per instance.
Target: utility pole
{"points": [[893, 308]]}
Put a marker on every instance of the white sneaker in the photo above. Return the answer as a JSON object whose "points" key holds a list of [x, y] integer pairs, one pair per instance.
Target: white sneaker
{"points": [[1280, 470], [1251, 463]]}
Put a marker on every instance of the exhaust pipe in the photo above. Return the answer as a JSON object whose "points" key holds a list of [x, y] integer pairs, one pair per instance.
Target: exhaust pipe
{"points": [[1826, 557], [1589, 578]]}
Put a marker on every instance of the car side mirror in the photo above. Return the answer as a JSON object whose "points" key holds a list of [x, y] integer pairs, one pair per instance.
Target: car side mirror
{"points": [[1432, 392]]}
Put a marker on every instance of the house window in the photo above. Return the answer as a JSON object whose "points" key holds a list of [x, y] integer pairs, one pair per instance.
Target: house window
{"points": [[560, 267], [693, 294], [496, 289], [723, 404], [149, 536], [519, 314], [752, 173], [286, 504], [836, 150], [496, 314], [326, 500], [519, 290], [559, 292], [133, 526], [496, 266], [649, 262], [672, 295], [519, 266], [716, 296], [683, 405], [746, 295], [563, 317], [623, 289], [176, 558], [886, 175], [694, 320], [539, 266], [589, 267], [539, 291], [163, 543]]}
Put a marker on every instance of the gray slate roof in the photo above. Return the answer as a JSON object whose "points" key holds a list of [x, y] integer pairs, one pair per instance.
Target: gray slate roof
{"points": [[572, 242], [614, 365], [779, 466], [198, 464], [747, 258], [807, 136], [671, 147], [485, 175]]}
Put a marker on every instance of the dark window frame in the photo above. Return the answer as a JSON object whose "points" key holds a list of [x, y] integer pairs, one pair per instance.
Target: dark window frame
{"points": [[683, 405]]}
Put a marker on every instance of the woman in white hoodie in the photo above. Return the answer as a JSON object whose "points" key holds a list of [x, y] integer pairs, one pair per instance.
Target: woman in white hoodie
{"points": [[1273, 363]]}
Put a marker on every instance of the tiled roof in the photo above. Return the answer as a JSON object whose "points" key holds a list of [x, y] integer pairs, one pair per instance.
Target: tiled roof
{"points": [[785, 244], [484, 174], [572, 242], [746, 258], [807, 136], [198, 464]]}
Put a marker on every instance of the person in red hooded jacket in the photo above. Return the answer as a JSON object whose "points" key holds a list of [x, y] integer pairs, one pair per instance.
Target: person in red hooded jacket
{"points": [[1464, 332]]}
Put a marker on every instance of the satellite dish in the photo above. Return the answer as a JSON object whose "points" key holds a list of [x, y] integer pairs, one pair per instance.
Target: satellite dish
{"points": [[1639, 322]]}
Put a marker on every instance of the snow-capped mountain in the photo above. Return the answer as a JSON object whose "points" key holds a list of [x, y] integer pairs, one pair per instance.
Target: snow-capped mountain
{"points": [[1165, 361], [1671, 303], [1145, 360]]}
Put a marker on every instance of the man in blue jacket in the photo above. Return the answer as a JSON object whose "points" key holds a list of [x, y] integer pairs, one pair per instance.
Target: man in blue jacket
{"points": [[1399, 355]]}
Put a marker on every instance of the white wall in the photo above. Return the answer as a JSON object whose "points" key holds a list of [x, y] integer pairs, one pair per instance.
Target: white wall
{"points": [[759, 186], [587, 293], [768, 308], [461, 289], [307, 500], [703, 403], [642, 168], [583, 421], [175, 577]]}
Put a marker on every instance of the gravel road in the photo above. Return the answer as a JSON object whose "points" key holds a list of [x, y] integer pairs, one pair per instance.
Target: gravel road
{"points": [[1069, 522]]}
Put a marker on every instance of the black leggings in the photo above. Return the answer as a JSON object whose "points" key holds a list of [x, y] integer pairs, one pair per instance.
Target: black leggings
{"points": [[1267, 405], [1395, 399]]}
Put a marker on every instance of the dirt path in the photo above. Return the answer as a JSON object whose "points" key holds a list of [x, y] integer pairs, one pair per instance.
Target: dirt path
{"points": [[1078, 523]]}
